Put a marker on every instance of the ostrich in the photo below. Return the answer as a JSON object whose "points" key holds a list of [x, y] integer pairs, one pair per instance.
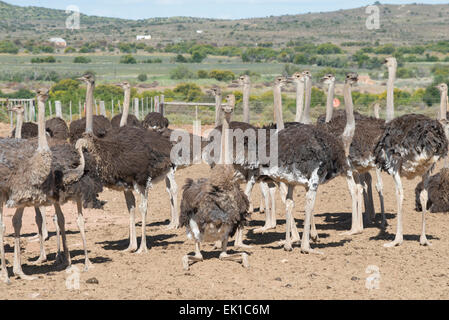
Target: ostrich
{"points": [[100, 124], [410, 147], [57, 129], [29, 178], [367, 132], [213, 209], [23, 130], [310, 156], [438, 184], [128, 158], [245, 82]]}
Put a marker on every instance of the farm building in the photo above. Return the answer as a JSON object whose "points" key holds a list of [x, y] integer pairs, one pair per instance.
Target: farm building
{"points": [[143, 37], [58, 42]]}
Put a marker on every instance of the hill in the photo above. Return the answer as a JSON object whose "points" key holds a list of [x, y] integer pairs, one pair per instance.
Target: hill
{"points": [[401, 24]]}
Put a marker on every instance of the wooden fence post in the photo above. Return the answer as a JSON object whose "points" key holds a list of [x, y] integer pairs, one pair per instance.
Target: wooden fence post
{"points": [[102, 109]]}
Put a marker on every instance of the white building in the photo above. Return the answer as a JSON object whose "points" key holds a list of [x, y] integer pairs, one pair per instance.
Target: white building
{"points": [[58, 42], [142, 37], [199, 31]]}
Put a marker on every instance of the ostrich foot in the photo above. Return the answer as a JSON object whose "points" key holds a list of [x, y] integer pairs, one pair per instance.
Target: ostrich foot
{"points": [[310, 251], [88, 265], [314, 237], [396, 242], [238, 257], [292, 241], [264, 229], [142, 249], [4, 276], [424, 242], [131, 248], [172, 226], [351, 232], [23, 276], [189, 260]]}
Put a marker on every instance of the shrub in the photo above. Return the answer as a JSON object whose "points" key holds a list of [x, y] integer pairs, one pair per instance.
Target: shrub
{"points": [[142, 77], [222, 75], [188, 91], [49, 59], [203, 74], [8, 47], [180, 59], [128, 59], [181, 72], [82, 60], [69, 50]]}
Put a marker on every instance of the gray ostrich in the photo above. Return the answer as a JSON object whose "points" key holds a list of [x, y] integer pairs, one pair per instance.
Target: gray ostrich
{"points": [[309, 156], [214, 209]]}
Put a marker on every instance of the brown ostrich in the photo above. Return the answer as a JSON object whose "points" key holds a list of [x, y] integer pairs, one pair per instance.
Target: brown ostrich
{"points": [[214, 209], [23, 130], [57, 129], [410, 146], [128, 158], [309, 156], [437, 185], [29, 178]]}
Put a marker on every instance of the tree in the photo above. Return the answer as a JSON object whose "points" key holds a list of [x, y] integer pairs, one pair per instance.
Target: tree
{"points": [[142, 77], [128, 59], [181, 72], [82, 60]]}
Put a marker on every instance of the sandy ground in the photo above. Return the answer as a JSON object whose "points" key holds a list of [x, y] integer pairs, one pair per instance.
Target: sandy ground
{"points": [[406, 272]]}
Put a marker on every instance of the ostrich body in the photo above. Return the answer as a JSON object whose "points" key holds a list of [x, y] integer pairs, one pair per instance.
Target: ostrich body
{"points": [[131, 120], [155, 121], [57, 129], [101, 125], [214, 209], [128, 158], [309, 156], [437, 185]]}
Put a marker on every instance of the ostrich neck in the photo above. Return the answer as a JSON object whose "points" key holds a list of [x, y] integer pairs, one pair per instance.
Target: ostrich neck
{"points": [[126, 103], [225, 157], [299, 100], [306, 114], [218, 111], [376, 111], [348, 134], [42, 139], [73, 175], [278, 108], [443, 105], [89, 107], [390, 94], [19, 124], [246, 93], [330, 102]]}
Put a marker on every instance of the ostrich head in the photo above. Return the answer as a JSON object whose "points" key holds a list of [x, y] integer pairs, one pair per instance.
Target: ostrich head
{"points": [[298, 78], [307, 74], [87, 78], [280, 81], [229, 108], [125, 85], [442, 87], [391, 63], [352, 78], [82, 144], [244, 80], [42, 94], [19, 109], [328, 79], [215, 91]]}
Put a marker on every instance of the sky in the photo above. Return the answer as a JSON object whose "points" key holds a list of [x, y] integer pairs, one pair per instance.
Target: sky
{"points": [[222, 9]]}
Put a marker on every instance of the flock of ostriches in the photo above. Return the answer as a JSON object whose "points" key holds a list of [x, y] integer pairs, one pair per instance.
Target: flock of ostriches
{"points": [[49, 164]]}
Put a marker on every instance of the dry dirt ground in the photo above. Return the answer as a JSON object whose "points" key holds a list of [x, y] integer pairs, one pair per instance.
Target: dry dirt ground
{"points": [[406, 272]]}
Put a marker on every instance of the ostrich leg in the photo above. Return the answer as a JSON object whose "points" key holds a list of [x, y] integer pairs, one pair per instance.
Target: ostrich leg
{"points": [[310, 203], [43, 228], [268, 212], [291, 232], [263, 201], [3, 271], [423, 197], [249, 189], [400, 198], [354, 190], [131, 204], [39, 222], [366, 180], [61, 224], [143, 211], [380, 191], [272, 190], [172, 189], [80, 222], [59, 257], [17, 224], [238, 243]]}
